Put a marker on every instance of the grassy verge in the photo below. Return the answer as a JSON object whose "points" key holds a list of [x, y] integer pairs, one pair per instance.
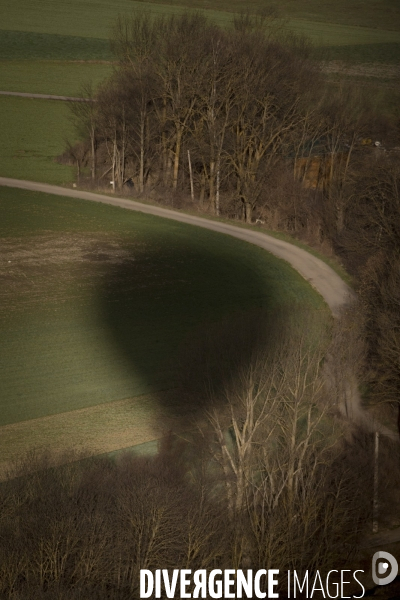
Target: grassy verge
{"points": [[331, 261], [280, 235]]}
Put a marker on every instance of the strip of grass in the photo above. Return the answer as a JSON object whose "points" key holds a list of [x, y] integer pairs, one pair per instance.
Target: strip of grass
{"points": [[95, 18], [388, 53], [331, 34], [384, 14], [33, 134], [76, 30], [85, 19], [17, 45], [51, 77], [79, 329]]}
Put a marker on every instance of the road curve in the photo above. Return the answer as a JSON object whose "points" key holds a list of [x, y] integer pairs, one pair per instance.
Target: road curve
{"points": [[332, 288], [323, 279]]}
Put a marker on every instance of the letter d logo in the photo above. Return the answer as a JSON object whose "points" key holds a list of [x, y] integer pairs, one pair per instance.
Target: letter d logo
{"points": [[383, 568]]}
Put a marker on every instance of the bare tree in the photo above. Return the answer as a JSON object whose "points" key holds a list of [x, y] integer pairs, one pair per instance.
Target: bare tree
{"points": [[290, 500], [268, 109], [86, 121]]}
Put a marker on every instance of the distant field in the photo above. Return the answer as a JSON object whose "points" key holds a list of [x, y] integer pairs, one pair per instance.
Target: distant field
{"points": [[51, 77], [76, 30], [94, 18], [33, 133], [382, 14], [17, 45], [46, 47], [82, 18], [363, 53], [54, 46], [95, 301]]}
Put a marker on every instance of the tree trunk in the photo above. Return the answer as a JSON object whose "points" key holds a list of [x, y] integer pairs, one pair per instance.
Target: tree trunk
{"points": [[93, 149], [141, 165], [212, 186], [114, 159], [217, 190], [340, 216], [191, 177], [177, 158], [202, 189], [248, 211]]}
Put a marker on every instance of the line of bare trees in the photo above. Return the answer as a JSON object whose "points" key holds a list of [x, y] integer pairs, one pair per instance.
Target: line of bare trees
{"points": [[371, 243], [219, 114], [266, 479]]}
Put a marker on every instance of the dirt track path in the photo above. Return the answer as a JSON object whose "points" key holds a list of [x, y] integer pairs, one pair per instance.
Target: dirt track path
{"points": [[44, 96], [324, 280]]}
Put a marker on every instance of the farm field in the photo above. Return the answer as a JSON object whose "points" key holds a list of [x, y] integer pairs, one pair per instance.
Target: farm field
{"points": [[382, 14], [96, 301], [34, 132], [79, 31], [94, 18], [59, 78]]}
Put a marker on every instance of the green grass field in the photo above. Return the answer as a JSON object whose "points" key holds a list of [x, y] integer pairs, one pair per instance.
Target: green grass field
{"points": [[94, 18], [96, 301], [85, 19], [31, 45], [73, 30], [59, 78], [33, 134], [382, 14]]}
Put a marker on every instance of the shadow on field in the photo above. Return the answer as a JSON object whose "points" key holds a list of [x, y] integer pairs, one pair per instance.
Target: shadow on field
{"points": [[187, 321]]}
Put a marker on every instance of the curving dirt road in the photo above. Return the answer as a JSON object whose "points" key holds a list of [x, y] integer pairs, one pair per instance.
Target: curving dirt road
{"points": [[324, 280], [44, 96]]}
